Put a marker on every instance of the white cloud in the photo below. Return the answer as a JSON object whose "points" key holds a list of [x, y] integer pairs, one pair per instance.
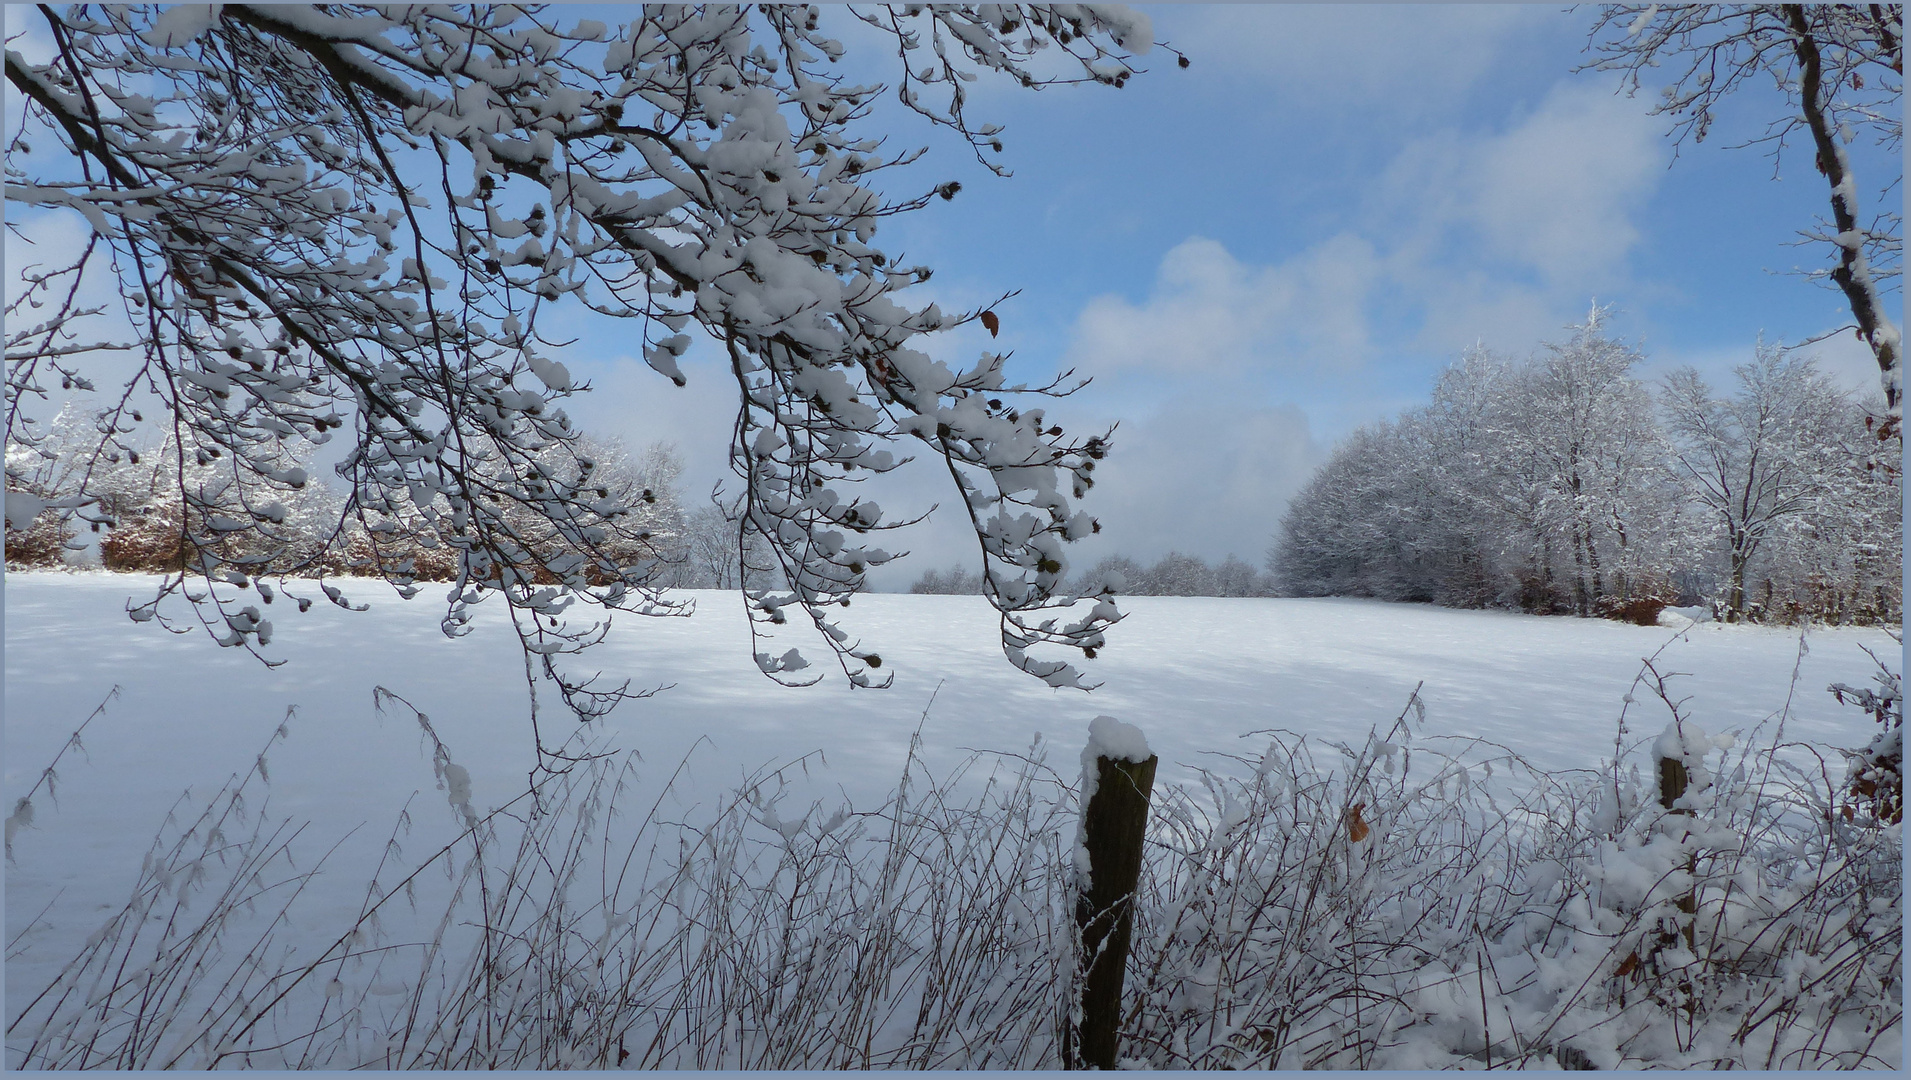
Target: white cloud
{"points": [[1554, 197], [1465, 307], [1401, 58], [1210, 312], [1506, 234], [1850, 361], [1559, 192], [1206, 479]]}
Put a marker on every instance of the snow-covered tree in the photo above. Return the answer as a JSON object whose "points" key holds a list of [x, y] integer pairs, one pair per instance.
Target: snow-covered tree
{"points": [[1336, 537], [1495, 514], [41, 472], [1584, 428], [1779, 463], [147, 525], [1539, 486], [1234, 577], [1840, 68], [367, 222], [1555, 485], [176, 506], [36, 535], [1175, 574], [708, 539], [1409, 509], [958, 580], [1841, 561], [1113, 574], [648, 527], [717, 555], [931, 583]]}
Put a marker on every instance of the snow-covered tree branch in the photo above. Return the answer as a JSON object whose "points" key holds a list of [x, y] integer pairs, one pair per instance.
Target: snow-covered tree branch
{"points": [[1840, 68], [374, 222]]}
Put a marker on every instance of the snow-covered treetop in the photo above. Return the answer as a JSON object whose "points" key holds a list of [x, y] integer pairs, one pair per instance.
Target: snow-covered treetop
{"points": [[372, 220]]}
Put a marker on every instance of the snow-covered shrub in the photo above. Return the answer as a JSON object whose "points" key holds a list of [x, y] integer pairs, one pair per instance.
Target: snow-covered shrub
{"points": [[41, 544], [576, 926], [149, 540], [1875, 772], [175, 508], [1397, 905], [373, 545], [1640, 603], [397, 542]]}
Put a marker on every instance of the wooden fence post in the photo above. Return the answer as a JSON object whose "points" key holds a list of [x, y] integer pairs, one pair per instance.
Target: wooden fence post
{"points": [[1673, 780], [1114, 823]]}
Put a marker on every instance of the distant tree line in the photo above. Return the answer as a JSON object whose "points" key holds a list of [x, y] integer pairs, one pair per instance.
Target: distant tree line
{"points": [[145, 524], [1174, 574], [1562, 484]]}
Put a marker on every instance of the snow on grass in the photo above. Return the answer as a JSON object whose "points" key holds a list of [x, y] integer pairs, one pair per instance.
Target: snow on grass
{"points": [[1193, 674]]}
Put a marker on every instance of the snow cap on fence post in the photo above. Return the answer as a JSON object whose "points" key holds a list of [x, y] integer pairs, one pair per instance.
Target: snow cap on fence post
{"points": [[1679, 755], [1110, 738]]}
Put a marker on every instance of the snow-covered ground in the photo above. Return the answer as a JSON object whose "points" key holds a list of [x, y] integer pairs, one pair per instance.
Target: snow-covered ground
{"points": [[1194, 674]]}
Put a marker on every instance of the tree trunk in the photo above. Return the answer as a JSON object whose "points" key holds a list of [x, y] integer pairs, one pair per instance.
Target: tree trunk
{"points": [[1743, 548], [1735, 604], [1592, 560], [1852, 274], [1582, 604]]}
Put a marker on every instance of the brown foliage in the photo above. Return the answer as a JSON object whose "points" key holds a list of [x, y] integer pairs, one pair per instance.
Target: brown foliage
{"points": [[1638, 610], [39, 544], [149, 541], [1357, 828], [1639, 601], [390, 557], [1878, 793]]}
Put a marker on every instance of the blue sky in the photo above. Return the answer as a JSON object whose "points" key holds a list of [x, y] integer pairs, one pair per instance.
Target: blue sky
{"points": [[1294, 235]]}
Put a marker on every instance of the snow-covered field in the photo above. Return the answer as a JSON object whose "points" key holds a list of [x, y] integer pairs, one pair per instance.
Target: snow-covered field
{"points": [[1194, 674]]}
